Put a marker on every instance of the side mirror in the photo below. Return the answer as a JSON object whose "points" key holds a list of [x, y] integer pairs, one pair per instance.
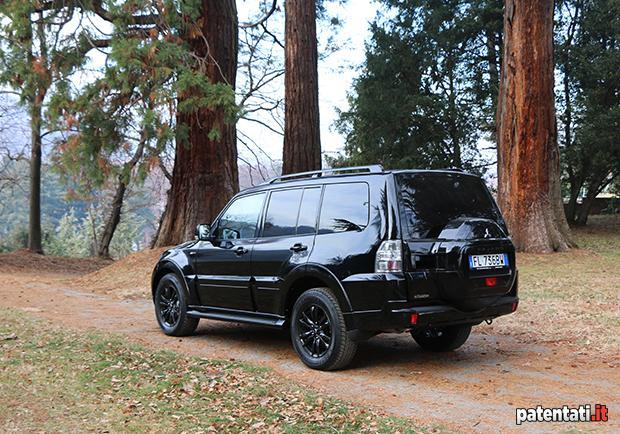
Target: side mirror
{"points": [[203, 232]]}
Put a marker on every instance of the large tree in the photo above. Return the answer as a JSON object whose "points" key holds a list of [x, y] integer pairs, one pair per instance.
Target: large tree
{"points": [[302, 142], [205, 170], [428, 88], [529, 191], [33, 58], [591, 78]]}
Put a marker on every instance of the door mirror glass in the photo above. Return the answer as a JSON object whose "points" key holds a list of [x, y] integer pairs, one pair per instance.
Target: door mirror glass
{"points": [[203, 232]]}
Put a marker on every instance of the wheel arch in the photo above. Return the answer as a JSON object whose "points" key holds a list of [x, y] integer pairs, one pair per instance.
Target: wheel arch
{"points": [[169, 267], [310, 276]]}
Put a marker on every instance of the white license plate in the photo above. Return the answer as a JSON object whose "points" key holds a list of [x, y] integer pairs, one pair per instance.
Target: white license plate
{"points": [[496, 260]]}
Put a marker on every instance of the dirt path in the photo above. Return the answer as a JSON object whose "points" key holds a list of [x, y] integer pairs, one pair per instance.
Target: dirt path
{"points": [[475, 389]]}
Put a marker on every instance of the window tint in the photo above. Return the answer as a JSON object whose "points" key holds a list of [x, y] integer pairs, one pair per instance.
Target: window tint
{"points": [[429, 201], [306, 223], [282, 213], [241, 218], [345, 208]]}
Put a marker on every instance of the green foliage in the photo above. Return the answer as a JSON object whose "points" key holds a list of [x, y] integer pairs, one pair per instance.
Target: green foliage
{"points": [[123, 120], [588, 40], [14, 240], [424, 96], [69, 238], [36, 52], [69, 223]]}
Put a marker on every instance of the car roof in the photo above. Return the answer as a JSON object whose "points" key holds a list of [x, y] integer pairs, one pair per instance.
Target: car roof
{"points": [[303, 179]]}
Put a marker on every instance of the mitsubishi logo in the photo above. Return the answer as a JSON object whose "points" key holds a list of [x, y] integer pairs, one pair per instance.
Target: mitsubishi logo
{"points": [[487, 234]]}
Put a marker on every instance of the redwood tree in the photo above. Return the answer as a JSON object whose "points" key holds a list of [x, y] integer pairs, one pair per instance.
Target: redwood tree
{"points": [[205, 169], [302, 142], [528, 156]]}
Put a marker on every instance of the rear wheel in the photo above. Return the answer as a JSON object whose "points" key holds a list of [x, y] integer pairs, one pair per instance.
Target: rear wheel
{"points": [[319, 333], [442, 339], [171, 307]]}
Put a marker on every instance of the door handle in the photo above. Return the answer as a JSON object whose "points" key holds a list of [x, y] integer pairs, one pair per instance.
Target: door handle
{"points": [[298, 247], [241, 251]]}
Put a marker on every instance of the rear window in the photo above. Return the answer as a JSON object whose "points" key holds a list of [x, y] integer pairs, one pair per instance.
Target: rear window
{"points": [[429, 201], [292, 212], [345, 208]]}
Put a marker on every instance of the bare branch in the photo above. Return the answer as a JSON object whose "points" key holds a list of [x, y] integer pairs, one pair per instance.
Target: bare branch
{"points": [[263, 19]]}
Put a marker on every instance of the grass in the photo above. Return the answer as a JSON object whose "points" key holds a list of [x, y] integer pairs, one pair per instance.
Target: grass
{"points": [[55, 380], [572, 298]]}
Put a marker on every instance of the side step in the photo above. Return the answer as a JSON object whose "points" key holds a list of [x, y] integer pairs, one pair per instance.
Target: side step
{"points": [[236, 316]]}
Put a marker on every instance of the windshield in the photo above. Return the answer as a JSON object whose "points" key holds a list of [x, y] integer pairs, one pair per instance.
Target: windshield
{"points": [[429, 201]]}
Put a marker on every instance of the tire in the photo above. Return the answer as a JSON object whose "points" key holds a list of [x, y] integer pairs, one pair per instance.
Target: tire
{"points": [[319, 333], [442, 339], [171, 307]]}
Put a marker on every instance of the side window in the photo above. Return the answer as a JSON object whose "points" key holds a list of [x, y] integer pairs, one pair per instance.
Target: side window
{"points": [[282, 213], [306, 223], [241, 218], [345, 208]]}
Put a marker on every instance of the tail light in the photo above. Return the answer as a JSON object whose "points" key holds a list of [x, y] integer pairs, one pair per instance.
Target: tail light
{"points": [[389, 257], [490, 281]]}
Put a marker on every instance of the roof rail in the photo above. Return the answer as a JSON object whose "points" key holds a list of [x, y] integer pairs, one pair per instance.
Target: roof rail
{"points": [[375, 168]]}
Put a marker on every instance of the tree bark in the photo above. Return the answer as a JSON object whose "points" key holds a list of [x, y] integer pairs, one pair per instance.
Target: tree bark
{"points": [[571, 207], [586, 207], [205, 174], [114, 219], [103, 251], [491, 41], [529, 191], [302, 139], [34, 224]]}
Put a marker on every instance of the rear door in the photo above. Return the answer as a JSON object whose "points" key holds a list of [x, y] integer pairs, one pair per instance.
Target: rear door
{"points": [[223, 266], [286, 240]]}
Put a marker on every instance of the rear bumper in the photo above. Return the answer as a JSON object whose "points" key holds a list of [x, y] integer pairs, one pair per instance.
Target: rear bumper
{"points": [[400, 317]]}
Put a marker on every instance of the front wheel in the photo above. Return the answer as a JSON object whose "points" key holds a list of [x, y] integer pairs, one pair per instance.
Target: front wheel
{"points": [[171, 307], [319, 333], [442, 339]]}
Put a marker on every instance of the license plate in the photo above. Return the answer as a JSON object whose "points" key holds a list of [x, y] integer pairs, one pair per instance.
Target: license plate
{"points": [[480, 262]]}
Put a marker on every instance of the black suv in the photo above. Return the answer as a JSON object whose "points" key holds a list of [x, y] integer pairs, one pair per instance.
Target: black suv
{"points": [[340, 255]]}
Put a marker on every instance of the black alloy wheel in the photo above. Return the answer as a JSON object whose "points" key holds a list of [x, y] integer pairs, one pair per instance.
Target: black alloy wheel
{"points": [[318, 331], [171, 307], [315, 330]]}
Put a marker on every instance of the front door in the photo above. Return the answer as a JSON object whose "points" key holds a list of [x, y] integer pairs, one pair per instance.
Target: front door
{"points": [[223, 265]]}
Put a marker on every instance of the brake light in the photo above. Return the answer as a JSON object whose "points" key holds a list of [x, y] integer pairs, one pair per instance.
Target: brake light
{"points": [[389, 257], [515, 305], [490, 281], [414, 318]]}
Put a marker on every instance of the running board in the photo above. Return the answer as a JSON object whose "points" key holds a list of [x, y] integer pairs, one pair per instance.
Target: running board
{"points": [[237, 316]]}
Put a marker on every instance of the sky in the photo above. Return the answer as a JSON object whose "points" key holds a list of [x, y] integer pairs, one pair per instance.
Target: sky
{"points": [[336, 72]]}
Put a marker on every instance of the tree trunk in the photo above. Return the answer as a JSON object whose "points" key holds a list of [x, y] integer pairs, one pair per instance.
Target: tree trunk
{"points": [[491, 41], [115, 217], [34, 229], [586, 207], [205, 172], [302, 138], [119, 197], [529, 191], [571, 207]]}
